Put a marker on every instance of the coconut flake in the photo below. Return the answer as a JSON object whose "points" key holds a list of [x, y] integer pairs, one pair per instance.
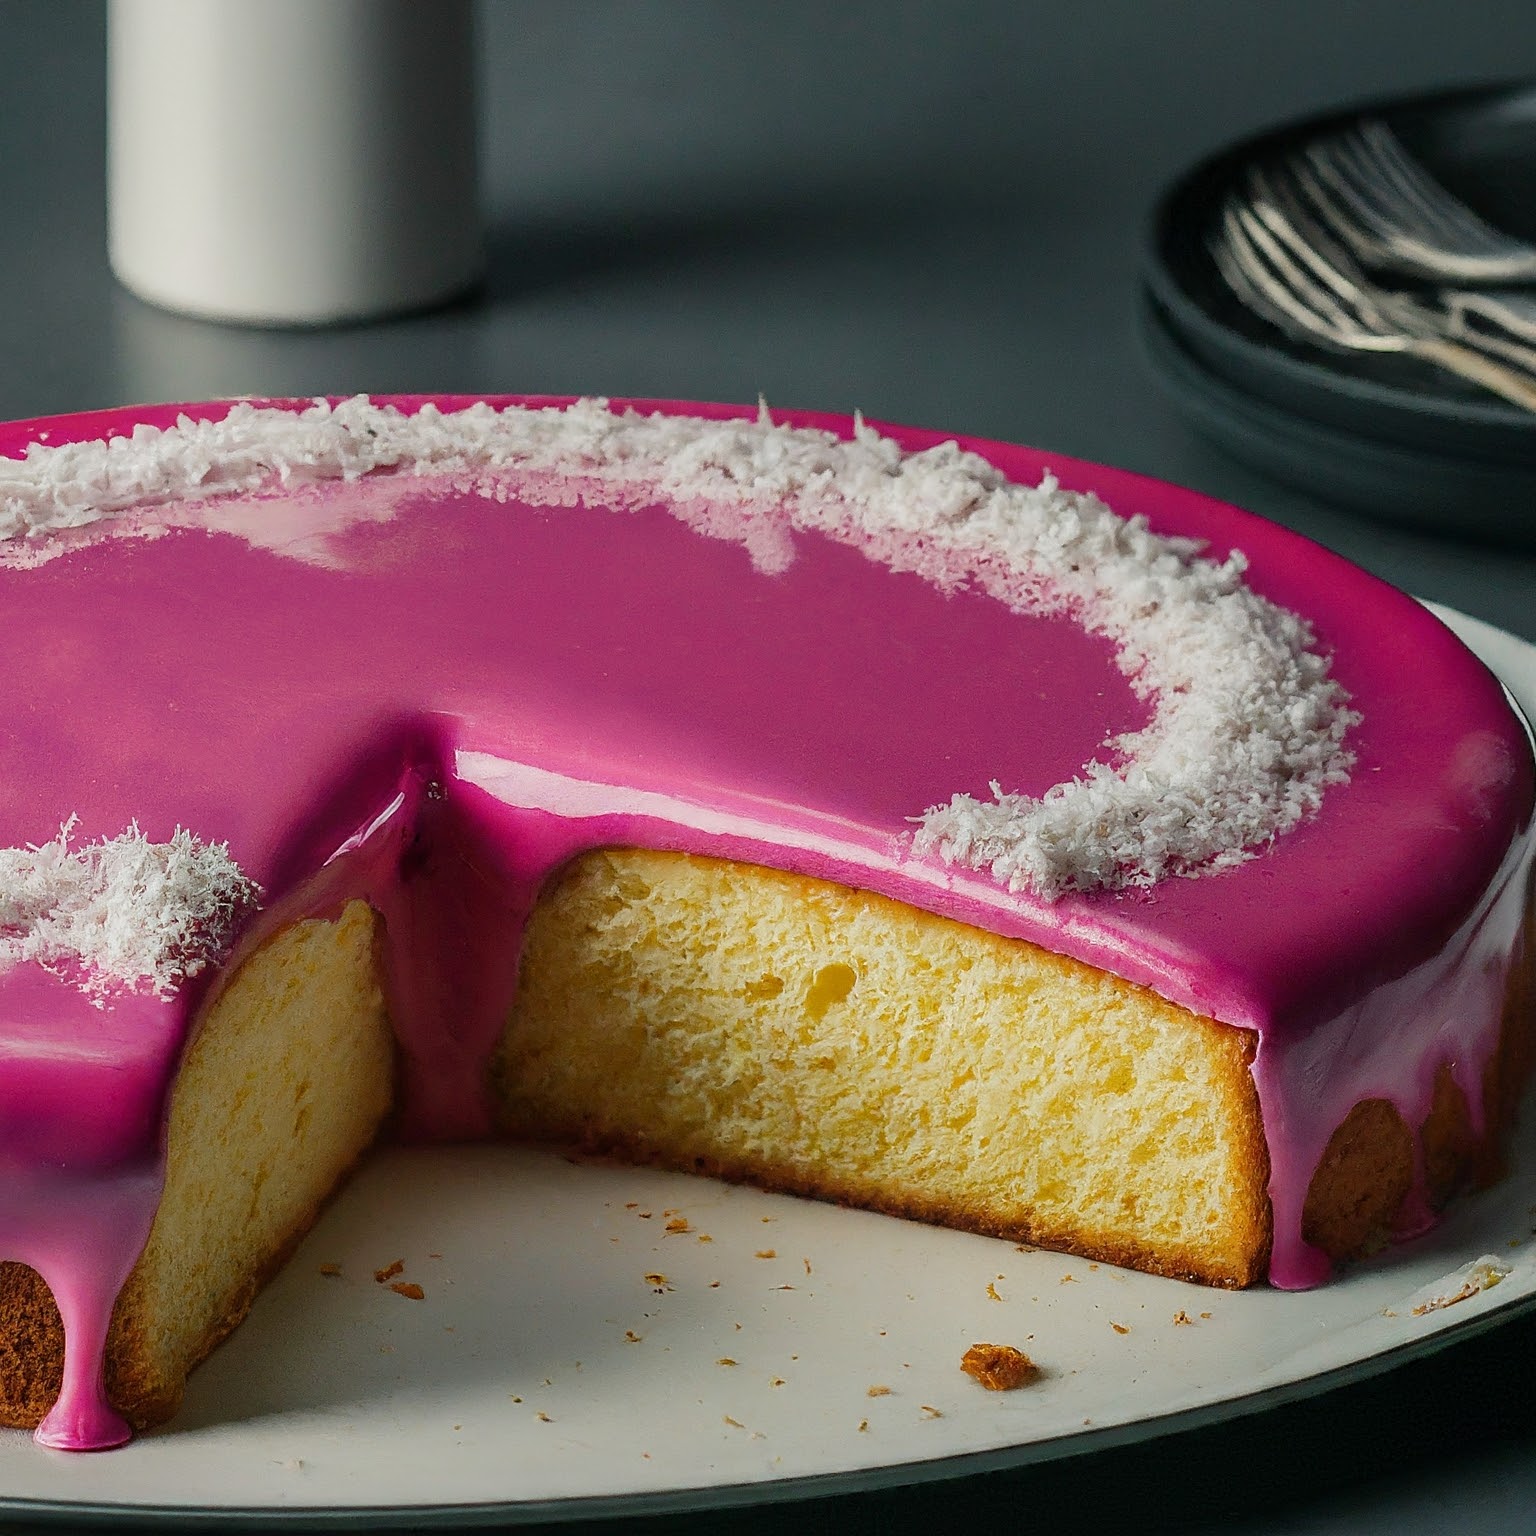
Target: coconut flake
{"points": [[1247, 729], [123, 912]]}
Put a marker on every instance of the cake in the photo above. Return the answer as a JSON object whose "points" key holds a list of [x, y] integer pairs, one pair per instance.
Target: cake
{"points": [[920, 823]]}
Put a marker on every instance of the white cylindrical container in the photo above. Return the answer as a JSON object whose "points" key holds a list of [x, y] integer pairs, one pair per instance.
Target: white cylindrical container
{"points": [[292, 162]]}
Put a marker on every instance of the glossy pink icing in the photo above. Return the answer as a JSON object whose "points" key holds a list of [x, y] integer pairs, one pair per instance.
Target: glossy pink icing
{"points": [[470, 693]]}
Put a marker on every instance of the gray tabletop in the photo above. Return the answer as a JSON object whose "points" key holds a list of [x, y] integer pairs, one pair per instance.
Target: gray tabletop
{"points": [[929, 212]]}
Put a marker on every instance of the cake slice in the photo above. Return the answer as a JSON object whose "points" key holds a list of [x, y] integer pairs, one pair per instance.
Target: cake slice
{"points": [[736, 1021], [283, 1089]]}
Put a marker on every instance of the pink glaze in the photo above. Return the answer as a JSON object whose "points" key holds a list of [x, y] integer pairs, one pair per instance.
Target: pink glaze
{"points": [[470, 693]]}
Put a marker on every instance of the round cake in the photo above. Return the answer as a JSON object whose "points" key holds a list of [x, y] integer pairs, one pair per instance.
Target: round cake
{"points": [[930, 824]]}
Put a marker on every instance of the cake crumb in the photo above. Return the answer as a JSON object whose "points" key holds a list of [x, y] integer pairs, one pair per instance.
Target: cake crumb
{"points": [[992, 1292], [1461, 1285], [631, 1337], [999, 1367], [330, 1271], [776, 1381], [704, 1237], [930, 1412], [807, 1264], [1120, 1327], [734, 1423], [725, 1360], [409, 1289], [658, 1283], [543, 1417], [863, 1426], [679, 1224], [1182, 1319], [766, 1253], [878, 1392], [1069, 1279], [389, 1271]]}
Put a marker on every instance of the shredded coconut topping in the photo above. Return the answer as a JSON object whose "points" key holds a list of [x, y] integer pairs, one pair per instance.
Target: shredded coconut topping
{"points": [[1247, 728], [124, 913]]}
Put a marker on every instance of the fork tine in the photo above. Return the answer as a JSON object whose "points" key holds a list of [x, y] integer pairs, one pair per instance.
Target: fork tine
{"points": [[1240, 268], [1382, 152], [1235, 274], [1284, 293], [1284, 269], [1326, 292], [1329, 184], [1393, 213], [1398, 193], [1274, 202], [1354, 197]]}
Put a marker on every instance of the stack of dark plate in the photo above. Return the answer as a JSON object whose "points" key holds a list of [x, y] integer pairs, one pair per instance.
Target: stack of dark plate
{"points": [[1381, 431]]}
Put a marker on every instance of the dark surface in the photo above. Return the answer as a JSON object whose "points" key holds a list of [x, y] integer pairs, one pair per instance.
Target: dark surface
{"points": [[933, 213]]}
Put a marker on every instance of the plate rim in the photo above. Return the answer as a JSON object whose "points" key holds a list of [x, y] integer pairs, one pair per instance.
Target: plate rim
{"points": [[714, 1498]]}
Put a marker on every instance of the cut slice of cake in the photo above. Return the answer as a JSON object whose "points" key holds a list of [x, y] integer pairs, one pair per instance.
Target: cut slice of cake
{"points": [[736, 1021]]}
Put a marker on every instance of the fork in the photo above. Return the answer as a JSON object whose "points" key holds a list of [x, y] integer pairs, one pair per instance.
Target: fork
{"points": [[1299, 284], [1395, 216], [1502, 324]]}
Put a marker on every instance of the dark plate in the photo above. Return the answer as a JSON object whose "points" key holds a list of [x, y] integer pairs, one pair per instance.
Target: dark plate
{"points": [[1376, 408], [1411, 486]]}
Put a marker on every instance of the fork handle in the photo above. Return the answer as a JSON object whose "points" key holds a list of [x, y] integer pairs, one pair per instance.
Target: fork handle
{"points": [[1511, 385]]}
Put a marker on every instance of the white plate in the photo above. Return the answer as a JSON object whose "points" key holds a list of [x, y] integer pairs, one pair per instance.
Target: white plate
{"points": [[596, 1340]]}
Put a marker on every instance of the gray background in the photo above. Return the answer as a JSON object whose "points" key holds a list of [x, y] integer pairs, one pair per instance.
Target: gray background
{"points": [[930, 212]]}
